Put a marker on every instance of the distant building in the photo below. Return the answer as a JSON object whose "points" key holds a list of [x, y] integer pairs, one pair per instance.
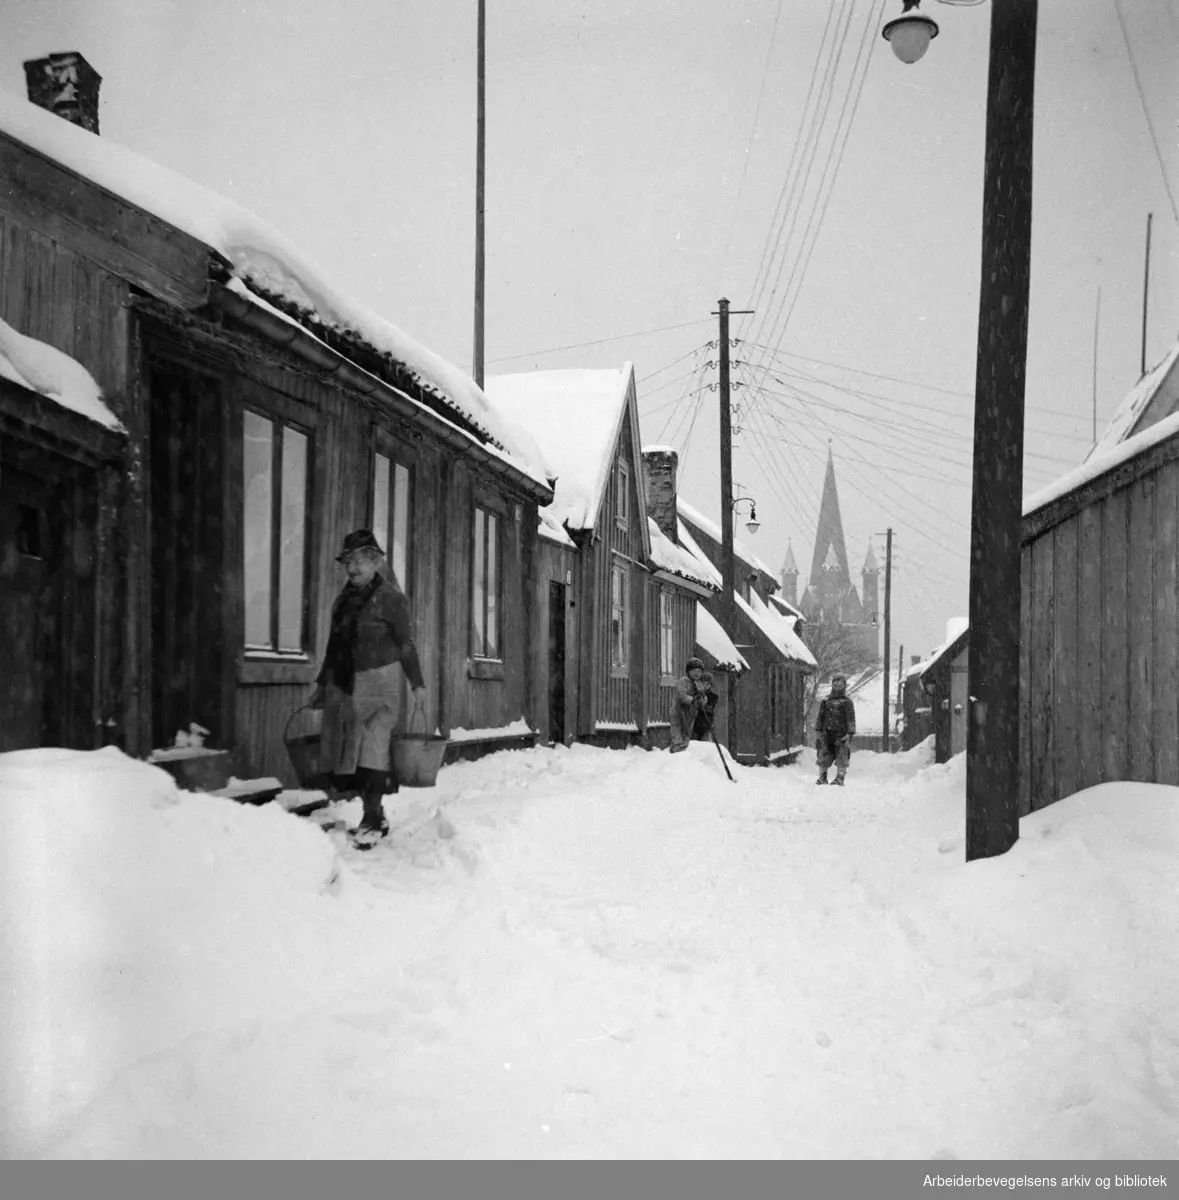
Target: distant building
{"points": [[830, 596]]}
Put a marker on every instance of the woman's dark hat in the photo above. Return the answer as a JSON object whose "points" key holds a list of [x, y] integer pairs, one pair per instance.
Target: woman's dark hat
{"points": [[359, 539], [693, 662]]}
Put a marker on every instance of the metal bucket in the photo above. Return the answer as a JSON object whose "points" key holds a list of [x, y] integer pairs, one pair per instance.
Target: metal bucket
{"points": [[303, 750], [417, 757]]}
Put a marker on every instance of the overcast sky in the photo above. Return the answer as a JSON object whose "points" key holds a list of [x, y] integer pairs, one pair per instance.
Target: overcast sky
{"points": [[646, 157]]}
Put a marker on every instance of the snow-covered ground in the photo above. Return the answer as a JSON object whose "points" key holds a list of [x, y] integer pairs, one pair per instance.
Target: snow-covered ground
{"points": [[580, 953]]}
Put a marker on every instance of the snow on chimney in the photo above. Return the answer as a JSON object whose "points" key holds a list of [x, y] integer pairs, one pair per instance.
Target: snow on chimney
{"points": [[660, 464], [65, 84]]}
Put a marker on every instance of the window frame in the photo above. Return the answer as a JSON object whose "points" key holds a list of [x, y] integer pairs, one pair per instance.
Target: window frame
{"points": [[622, 495], [398, 460], [620, 645], [666, 634], [280, 419], [478, 554]]}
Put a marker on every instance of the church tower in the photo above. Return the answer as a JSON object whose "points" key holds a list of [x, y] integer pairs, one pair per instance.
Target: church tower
{"points": [[788, 577], [830, 577], [830, 596]]}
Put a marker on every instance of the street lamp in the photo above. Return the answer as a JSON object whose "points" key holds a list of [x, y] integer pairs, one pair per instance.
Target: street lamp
{"points": [[753, 524], [909, 34]]}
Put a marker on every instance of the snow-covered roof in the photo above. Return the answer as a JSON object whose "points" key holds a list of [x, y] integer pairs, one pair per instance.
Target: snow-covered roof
{"points": [[1136, 401], [740, 550], [778, 627], [786, 607], [575, 417], [264, 258], [667, 556], [690, 544], [955, 630], [42, 368], [1099, 464], [712, 638], [552, 530]]}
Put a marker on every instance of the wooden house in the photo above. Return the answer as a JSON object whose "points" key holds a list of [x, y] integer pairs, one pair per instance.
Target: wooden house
{"points": [[1099, 637], [626, 599], [936, 697], [182, 568], [765, 713]]}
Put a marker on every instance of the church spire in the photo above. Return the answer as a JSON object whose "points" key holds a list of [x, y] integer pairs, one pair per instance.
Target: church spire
{"points": [[829, 535]]}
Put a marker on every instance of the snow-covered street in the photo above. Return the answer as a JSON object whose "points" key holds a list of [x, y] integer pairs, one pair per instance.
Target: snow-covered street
{"points": [[579, 953]]}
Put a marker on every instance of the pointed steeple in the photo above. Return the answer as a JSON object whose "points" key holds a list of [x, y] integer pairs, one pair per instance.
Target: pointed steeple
{"points": [[788, 576], [869, 562], [829, 535]]}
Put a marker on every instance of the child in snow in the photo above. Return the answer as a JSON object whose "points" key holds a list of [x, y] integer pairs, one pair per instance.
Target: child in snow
{"points": [[688, 701], [834, 729], [706, 712]]}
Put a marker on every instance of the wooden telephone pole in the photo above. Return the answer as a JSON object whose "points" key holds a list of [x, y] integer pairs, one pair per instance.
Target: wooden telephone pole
{"points": [[480, 187], [728, 606], [992, 741]]}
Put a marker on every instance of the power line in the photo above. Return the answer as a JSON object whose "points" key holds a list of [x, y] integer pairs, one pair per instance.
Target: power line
{"points": [[765, 70], [621, 337], [1146, 111], [798, 276]]}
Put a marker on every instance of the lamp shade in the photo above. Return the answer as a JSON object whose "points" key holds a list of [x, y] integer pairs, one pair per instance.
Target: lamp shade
{"points": [[910, 35]]}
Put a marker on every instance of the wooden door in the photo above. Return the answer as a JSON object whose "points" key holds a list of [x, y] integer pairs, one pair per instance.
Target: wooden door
{"points": [[187, 555], [556, 662]]}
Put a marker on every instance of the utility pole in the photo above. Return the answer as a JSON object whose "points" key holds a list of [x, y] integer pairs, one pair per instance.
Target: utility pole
{"points": [[886, 744], [992, 744], [480, 182], [728, 606], [1146, 290]]}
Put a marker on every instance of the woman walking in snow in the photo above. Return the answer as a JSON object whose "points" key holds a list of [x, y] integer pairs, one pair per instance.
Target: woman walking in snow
{"points": [[370, 644], [835, 729]]}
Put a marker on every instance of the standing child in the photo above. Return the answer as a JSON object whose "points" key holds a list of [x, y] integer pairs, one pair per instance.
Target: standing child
{"points": [[835, 728], [706, 712]]}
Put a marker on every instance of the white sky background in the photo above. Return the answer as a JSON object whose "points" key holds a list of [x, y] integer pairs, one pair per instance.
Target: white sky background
{"points": [[629, 187]]}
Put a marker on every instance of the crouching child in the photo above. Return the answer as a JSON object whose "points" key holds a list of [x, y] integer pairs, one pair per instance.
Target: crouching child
{"points": [[689, 700], [834, 731]]}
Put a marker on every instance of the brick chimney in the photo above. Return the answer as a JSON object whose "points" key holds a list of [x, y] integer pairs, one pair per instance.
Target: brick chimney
{"points": [[65, 84], [660, 464]]}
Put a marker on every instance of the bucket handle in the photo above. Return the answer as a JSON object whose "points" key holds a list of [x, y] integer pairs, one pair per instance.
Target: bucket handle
{"points": [[418, 708], [287, 726]]}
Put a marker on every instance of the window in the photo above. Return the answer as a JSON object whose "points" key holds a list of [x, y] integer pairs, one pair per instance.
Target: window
{"points": [[485, 576], [390, 514], [618, 629], [622, 496], [666, 639], [275, 459]]}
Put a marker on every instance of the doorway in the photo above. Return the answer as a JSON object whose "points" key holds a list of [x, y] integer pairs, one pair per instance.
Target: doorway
{"points": [[556, 662]]}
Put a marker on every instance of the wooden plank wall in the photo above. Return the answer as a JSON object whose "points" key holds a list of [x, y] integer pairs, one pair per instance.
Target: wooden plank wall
{"points": [[620, 698], [1100, 624], [51, 292], [442, 500]]}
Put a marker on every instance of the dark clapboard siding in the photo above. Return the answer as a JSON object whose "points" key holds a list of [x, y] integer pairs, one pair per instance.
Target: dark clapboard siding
{"points": [[1100, 623]]}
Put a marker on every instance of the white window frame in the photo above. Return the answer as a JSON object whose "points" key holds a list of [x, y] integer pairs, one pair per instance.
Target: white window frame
{"points": [[666, 632], [622, 496], [284, 538], [391, 513], [486, 584], [619, 618]]}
